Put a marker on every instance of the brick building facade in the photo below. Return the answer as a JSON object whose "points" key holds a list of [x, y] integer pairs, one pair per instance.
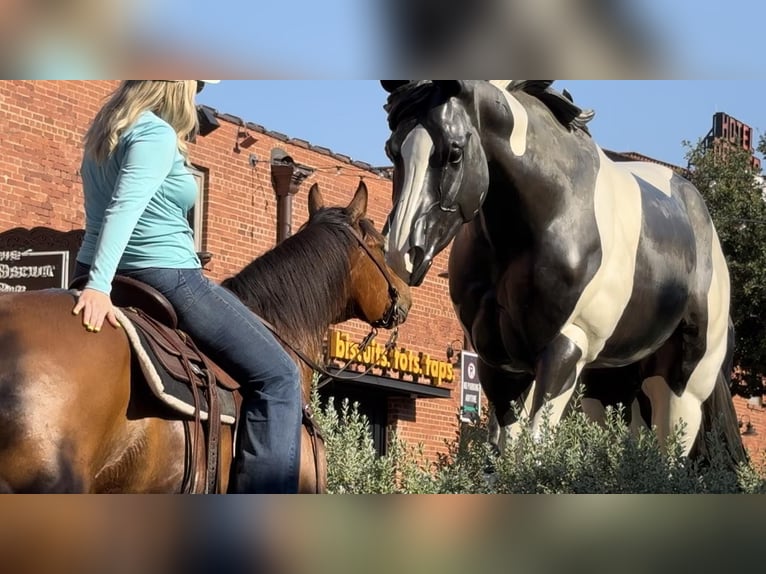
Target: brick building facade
{"points": [[41, 127]]}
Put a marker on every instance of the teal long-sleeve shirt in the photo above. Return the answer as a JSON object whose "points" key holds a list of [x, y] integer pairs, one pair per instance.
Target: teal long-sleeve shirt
{"points": [[136, 205]]}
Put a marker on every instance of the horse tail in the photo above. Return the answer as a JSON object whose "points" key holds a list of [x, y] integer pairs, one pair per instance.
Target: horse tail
{"points": [[5, 488], [719, 416]]}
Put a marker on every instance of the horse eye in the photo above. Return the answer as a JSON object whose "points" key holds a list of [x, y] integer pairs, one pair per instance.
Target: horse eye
{"points": [[455, 154]]}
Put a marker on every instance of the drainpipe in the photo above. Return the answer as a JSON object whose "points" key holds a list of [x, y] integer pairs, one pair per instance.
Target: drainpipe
{"points": [[286, 178]]}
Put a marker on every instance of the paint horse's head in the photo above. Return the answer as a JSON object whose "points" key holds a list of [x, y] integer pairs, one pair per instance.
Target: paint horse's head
{"points": [[440, 169]]}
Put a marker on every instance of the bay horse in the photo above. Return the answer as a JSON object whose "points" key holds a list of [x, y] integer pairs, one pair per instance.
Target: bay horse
{"points": [[71, 419], [562, 260]]}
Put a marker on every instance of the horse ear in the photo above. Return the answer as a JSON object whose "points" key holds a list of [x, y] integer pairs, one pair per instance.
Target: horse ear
{"points": [[358, 206], [452, 87], [316, 202], [393, 85]]}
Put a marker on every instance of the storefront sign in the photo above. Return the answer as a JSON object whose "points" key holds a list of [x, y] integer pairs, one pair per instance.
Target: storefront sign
{"points": [[403, 361], [470, 388], [30, 270]]}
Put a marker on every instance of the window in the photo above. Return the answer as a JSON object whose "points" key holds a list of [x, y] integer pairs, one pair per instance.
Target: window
{"points": [[196, 214], [372, 404]]}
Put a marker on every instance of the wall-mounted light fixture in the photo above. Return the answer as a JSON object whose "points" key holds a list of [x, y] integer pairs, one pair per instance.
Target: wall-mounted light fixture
{"points": [[454, 348], [205, 257], [746, 428], [244, 139], [208, 123]]}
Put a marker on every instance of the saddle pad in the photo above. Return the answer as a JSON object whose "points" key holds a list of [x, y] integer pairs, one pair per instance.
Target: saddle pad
{"points": [[172, 392]]}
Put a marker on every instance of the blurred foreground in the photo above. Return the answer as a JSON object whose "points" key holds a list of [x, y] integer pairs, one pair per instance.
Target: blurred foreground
{"points": [[574, 39], [331, 535], [334, 534]]}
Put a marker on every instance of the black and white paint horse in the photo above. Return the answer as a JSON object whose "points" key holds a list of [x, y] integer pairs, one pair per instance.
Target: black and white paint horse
{"points": [[562, 260]]}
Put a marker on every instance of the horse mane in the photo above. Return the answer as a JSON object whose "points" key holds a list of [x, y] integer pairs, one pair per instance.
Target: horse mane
{"points": [[302, 284], [407, 100], [570, 115]]}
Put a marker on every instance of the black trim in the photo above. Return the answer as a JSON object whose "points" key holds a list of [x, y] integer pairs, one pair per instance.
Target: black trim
{"points": [[392, 386]]}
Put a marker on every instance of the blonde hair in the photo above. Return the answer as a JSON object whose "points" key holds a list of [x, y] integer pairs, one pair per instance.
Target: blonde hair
{"points": [[171, 100]]}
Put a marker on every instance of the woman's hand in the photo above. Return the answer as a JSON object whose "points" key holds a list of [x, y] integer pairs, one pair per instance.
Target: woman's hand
{"points": [[95, 306]]}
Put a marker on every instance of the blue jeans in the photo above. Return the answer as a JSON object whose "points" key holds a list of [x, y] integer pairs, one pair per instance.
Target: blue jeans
{"points": [[226, 330]]}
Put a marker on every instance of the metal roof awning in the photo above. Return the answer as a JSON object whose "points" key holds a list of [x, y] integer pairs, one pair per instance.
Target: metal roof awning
{"points": [[387, 385]]}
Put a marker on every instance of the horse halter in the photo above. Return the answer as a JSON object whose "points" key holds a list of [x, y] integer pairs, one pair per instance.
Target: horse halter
{"points": [[391, 316], [390, 319]]}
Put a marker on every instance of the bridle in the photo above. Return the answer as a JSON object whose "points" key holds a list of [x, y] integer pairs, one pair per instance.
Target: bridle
{"points": [[390, 319], [391, 316]]}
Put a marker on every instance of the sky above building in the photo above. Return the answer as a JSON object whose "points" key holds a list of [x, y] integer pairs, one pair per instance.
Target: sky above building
{"points": [[359, 38], [650, 117]]}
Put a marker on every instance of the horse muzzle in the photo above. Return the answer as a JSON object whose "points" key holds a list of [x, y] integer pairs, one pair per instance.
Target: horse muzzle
{"points": [[411, 266], [420, 266], [396, 313]]}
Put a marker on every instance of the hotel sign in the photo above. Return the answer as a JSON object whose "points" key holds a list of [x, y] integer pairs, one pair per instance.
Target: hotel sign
{"points": [[403, 361]]}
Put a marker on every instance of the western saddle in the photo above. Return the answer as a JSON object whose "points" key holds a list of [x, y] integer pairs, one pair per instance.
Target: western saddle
{"points": [[175, 352], [152, 314]]}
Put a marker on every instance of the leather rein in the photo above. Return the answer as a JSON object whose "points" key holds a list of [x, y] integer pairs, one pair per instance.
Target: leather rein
{"points": [[390, 318]]}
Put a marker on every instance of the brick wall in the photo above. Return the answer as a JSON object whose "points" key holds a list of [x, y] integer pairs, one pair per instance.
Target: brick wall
{"points": [[755, 439], [41, 127]]}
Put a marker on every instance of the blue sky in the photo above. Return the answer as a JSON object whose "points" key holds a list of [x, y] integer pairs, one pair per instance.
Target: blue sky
{"points": [[352, 38], [649, 117]]}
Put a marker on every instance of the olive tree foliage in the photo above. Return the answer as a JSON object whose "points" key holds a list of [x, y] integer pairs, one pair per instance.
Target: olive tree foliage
{"points": [[735, 198]]}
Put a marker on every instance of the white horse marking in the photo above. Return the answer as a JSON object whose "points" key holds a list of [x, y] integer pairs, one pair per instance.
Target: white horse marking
{"points": [[657, 175], [416, 153], [520, 118], [604, 300]]}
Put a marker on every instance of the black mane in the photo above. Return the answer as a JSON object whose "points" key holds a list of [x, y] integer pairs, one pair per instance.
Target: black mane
{"points": [[561, 105], [302, 284], [411, 99]]}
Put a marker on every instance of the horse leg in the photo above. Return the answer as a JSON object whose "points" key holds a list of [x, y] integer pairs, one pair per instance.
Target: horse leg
{"points": [[498, 433], [683, 373], [705, 343], [501, 388], [558, 370], [313, 463], [612, 387]]}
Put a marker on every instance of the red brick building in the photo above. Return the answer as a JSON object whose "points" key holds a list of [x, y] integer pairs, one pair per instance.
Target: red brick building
{"points": [[41, 127]]}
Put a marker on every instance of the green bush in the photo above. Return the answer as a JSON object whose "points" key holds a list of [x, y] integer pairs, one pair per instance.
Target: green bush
{"points": [[577, 456]]}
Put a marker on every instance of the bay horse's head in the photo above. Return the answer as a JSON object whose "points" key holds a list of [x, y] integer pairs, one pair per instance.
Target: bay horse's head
{"points": [[440, 170], [376, 294]]}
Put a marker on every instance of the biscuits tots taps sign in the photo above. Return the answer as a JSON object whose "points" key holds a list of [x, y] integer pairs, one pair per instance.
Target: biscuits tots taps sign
{"points": [[470, 388], [31, 270], [400, 360]]}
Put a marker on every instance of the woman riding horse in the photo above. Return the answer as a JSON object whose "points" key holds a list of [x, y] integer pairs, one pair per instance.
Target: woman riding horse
{"points": [[74, 419], [138, 191], [562, 259]]}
